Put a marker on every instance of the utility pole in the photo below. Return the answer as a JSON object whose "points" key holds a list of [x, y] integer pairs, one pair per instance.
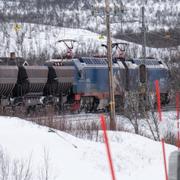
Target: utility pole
{"points": [[110, 69], [144, 84], [144, 35]]}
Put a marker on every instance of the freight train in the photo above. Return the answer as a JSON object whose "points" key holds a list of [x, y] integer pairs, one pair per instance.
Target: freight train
{"points": [[77, 84]]}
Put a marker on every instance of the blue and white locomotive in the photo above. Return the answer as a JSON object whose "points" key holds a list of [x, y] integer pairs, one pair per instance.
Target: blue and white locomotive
{"points": [[91, 80]]}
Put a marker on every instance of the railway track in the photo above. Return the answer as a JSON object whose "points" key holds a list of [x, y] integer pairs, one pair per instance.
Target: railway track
{"points": [[68, 117], [83, 116], [169, 108]]}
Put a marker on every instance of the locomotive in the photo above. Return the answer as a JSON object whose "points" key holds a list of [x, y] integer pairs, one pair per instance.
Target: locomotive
{"points": [[77, 84]]}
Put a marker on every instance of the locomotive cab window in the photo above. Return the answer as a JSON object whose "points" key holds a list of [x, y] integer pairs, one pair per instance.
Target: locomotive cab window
{"points": [[142, 73]]}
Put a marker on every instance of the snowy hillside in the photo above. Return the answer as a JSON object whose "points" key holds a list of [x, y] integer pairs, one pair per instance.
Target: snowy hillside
{"points": [[79, 16], [41, 40], [90, 14], [134, 157], [37, 39]]}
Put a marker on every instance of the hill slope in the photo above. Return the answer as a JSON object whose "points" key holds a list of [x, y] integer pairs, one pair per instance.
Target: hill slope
{"points": [[85, 14], [134, 157]]}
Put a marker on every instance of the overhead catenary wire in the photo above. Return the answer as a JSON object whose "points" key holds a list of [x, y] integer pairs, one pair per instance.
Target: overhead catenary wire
{"points": [[157, 34]]}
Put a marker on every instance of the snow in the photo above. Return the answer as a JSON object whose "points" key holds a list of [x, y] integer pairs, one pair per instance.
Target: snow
{"points": [[37, 38], [158, 15], [134, 156], [34, 39]]}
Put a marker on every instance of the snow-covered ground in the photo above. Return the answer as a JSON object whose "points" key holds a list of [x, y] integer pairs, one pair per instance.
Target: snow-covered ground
{"points": [[37, 39], [33, 39], [90, 14], [134, 157]]}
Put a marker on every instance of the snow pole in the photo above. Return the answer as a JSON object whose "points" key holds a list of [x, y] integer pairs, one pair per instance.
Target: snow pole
{"points": [[160, 119], [103, 125], [177, 116]]}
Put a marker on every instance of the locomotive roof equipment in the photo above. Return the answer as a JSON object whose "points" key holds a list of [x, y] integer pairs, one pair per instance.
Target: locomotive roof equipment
{"points": [[69, 43]]}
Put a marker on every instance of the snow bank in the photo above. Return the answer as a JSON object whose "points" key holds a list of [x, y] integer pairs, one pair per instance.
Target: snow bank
{"points": [[134, 157]]}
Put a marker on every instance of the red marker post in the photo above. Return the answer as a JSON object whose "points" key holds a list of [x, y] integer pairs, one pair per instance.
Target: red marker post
{"points": [[177, 116], [103, 125], [160, 119]]}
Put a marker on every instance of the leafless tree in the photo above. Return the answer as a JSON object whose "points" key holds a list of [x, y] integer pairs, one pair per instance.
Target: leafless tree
{"points": [[153, 124], [4, 166], [21, 171], [21, 32], [11, 169], [45, 172], [14, 169], [132, 110]]}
